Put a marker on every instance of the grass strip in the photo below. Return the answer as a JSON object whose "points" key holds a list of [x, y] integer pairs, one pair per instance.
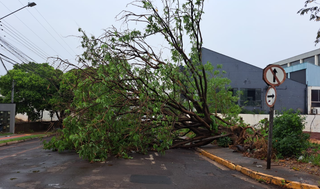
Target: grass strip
{"points": [[22, 138], [5, 134]]}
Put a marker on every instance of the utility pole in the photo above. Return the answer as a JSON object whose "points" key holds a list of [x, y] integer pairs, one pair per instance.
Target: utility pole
{"points": [[12, 91], [28, 5]]}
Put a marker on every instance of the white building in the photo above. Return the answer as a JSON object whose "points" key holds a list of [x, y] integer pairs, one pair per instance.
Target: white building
{"points": [[305, 69]]}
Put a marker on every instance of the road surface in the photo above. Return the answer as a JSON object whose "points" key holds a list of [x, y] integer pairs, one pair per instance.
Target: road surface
{"points": [[27, 165]]}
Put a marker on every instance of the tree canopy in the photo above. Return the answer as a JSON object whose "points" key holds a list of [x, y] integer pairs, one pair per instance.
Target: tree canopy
{"points": [[35, 84], [131, 97]]}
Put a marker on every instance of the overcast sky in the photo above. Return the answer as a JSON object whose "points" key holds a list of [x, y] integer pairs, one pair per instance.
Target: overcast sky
{"points": [[253, 31]]}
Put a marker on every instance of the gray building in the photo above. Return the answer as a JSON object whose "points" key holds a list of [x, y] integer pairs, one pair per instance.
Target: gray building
{"points": [[248, 79]]}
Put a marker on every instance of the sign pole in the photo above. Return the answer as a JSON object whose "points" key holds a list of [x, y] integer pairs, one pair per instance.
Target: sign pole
{"points": [[270, 137], [273, 75]]}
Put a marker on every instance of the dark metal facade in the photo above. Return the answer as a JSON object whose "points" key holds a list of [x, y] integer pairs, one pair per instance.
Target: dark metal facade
{"points": [[248, 79]]}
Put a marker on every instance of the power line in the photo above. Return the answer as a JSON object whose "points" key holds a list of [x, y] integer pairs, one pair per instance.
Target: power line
{"points": [[48, 32], [4, 56], [28, 68], [4, 65], [15, 50], [31, 30], [55, 31], [24, 43]]}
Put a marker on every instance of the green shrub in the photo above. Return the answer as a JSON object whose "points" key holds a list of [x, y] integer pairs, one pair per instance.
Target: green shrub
{"points": [[224, 142], [288, 138]]}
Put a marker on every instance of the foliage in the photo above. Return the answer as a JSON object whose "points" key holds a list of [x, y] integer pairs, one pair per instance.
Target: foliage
{"points": [[312, 8], [224, 142], [288, 137], [62, 99], [32, 88], [312, 155], [130, 98]]}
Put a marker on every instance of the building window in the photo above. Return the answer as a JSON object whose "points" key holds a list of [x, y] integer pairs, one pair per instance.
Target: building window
{"points": [[284, 65], [295, 63], [309, 60], [4, 121], [315, 98], [250, 97]]}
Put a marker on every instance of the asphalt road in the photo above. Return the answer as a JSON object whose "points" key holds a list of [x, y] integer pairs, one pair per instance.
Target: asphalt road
{"points": [[27, 165]]}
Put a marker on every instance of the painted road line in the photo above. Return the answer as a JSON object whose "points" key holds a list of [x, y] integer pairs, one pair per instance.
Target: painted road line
{"points": [[12, 155], [21, 144]]}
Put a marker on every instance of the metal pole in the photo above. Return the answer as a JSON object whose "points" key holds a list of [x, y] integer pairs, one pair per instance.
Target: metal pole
{"points": [[270, 137], [12, 91], [14, 12], [29, 5]]}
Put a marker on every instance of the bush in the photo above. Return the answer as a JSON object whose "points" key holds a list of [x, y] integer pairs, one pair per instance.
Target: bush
{"points": [[288, 138], [224, 142]]}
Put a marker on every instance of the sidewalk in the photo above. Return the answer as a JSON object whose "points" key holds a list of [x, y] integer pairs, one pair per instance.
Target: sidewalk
{"points": [[8, 137], [11, 136], [256, 168]]}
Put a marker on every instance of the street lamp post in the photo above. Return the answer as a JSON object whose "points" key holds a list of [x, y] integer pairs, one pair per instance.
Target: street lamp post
{"points": [[28, 5]]}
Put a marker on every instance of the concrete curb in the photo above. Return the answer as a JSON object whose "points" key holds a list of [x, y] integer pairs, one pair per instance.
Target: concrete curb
{"points": [[257, 175], [18, 141]]}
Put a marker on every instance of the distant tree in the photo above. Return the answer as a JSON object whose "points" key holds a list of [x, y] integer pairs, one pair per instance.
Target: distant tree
{"points": [[62, 99], [311, 6], [35, 84]]}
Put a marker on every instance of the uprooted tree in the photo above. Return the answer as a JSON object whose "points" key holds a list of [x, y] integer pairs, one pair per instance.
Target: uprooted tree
{"points": [[311, 6], [133, 98]]}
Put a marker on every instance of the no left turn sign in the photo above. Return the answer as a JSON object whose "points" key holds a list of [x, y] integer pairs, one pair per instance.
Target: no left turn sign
{"points": [[274, 75]]}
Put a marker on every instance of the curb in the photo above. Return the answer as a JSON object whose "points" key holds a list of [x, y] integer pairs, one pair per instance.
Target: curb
{"points": [[18, 141], [257, 175]]}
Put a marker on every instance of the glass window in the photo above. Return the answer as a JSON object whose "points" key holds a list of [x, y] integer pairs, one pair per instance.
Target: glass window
{"points": [[4, 121], [250, 97], [309, 60], [295, 63], [284, 65], [315, 95]]}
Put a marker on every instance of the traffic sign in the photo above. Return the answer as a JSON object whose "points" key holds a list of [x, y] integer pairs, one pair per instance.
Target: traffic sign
{"points": [[271, 96], [274, 75]]}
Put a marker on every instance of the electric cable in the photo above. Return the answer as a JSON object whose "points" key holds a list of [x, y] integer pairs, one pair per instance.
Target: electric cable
{"points": [[55, 31], [31, 30], [24, 42], [15, 50], [49, 32]]}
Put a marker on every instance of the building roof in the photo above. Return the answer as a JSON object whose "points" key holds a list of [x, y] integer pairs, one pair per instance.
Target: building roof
{"points": [[299, 57]]}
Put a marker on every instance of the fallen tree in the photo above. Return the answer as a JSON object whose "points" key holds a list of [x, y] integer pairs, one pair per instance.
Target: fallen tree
{"points": [[135, 97]]}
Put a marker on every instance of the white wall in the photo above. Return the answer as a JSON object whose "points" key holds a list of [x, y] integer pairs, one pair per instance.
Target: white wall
{"points": [[46, 117], [312, 121]]}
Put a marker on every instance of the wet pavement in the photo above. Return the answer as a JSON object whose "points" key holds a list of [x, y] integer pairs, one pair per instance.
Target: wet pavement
{"points": [[27, 165]]}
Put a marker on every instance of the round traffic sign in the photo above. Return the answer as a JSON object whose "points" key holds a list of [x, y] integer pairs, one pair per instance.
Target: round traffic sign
{"points": [[274, 75], [271, 96]]}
